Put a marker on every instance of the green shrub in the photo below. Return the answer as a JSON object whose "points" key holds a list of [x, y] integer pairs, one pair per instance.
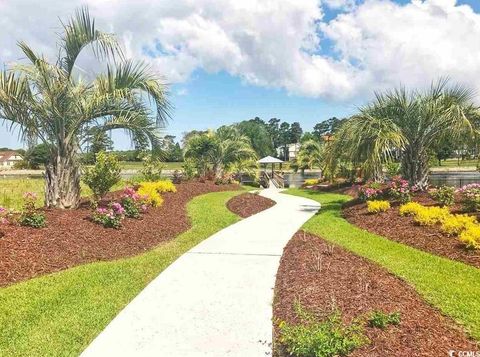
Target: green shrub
{"points": [[320, 338], [152, 168], [445, 195], [188, 169], [30, 216], [103, 175], [377, 206], [381, 320]]}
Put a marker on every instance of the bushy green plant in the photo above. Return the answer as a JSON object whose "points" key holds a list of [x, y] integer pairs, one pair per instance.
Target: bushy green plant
{"points": [[152, 168], [103, 175], [381, 320], [393, 168], [320, 338], [30, 216], [445, 195], [188, 169]]}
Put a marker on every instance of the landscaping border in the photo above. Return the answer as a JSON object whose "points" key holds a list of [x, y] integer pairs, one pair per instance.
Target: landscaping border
{"points": [[451, 286], [60, 314]]}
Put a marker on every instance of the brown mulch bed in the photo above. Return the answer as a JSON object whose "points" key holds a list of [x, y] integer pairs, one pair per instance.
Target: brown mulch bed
{"points": [[320, 275], [71, 239], [404, 230], [247, 204]]}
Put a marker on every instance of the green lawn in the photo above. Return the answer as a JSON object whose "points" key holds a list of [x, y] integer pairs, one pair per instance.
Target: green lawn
{"points": [[453, 163], [59, 314], [451, 286], [12, 190]]}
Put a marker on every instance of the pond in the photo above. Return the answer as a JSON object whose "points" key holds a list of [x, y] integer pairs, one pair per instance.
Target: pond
{"points": [[455, 178]]}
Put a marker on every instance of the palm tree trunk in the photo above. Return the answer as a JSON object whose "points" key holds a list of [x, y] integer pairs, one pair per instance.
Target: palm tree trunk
{"points": [[415, 167], [62, 180]]}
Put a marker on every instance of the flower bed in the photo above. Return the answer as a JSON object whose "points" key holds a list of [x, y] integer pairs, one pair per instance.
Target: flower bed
{"points": [[248, 204], [415, 231], [71, 238], [316, 273]]}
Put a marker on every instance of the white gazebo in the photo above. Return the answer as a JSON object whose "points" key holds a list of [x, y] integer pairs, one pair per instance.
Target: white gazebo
{"points": [[270, 160]]}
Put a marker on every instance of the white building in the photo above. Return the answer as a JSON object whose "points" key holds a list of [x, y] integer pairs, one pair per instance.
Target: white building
{"points": [[292, 150], [8, 159]]}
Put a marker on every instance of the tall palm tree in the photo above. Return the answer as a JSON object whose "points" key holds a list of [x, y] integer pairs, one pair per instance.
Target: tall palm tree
{"points": [[51, 102], [407, 123]]}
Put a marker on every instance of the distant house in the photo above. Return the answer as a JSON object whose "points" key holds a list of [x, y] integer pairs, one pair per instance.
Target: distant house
{"points": [[9, 158], [292, 151]]}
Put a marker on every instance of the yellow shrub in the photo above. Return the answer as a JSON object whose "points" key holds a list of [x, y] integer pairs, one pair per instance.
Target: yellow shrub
{"points": [[456, 223], [410, 208], [428, 216], [165, 186], [311, 182], [471, 236], [153, 190], [377, 206]]}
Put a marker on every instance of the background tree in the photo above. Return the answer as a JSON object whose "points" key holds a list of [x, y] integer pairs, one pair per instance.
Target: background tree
{"points": [[284, 139], [37, 156], [296, 132], [309, 156], [98, 140], [48, 101], [327, 127], [257, 131], [273, 128]]}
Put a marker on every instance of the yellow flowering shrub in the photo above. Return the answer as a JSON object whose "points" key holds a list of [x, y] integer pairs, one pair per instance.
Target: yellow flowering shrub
{"points": [[471, 236], [151, 194], [311, 182], [455, 224], [428, 216], [377, 206], [165, 186], [410, 208], [153, 190]]}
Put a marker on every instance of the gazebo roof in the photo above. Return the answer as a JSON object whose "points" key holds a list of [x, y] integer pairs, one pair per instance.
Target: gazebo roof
{"points": [[269, 160]]}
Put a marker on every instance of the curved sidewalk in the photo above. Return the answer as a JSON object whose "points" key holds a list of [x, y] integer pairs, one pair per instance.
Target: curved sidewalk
{"points": [[215, 300]]}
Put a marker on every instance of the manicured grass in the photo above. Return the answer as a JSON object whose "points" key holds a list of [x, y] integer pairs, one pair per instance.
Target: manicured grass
{"points": [[453, 163], [12, 190], [451, 286], [59, 314]]}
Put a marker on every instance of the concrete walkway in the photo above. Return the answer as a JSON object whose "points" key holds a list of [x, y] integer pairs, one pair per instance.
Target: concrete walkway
{"points": [[215, 300]]}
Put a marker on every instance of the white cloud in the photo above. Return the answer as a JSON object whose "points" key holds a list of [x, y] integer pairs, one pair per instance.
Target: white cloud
{"points": [[275, 43]]}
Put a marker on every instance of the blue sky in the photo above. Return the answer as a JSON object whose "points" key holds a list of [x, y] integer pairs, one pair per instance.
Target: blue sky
{"points": [[230, 63]]}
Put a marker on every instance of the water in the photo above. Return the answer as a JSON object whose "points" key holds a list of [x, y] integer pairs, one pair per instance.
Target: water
{"points": [[295, 180], [456, 179]]}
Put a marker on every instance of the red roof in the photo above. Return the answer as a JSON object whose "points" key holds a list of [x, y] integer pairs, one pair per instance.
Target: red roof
{"points": [[6, 155]]}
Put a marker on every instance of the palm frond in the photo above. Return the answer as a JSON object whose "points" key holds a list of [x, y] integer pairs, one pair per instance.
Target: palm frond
{"points": [[81, 32]]}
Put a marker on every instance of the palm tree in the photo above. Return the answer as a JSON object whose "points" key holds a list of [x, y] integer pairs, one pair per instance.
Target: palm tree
{"points": [[219, 150], [404, 123], [49, 101], [309, 156]]}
